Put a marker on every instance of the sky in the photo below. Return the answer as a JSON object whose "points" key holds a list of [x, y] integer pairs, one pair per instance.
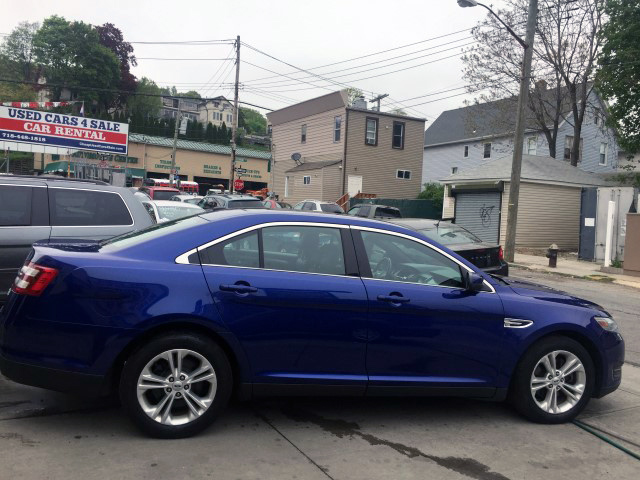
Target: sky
{"points": [[303, 34]]}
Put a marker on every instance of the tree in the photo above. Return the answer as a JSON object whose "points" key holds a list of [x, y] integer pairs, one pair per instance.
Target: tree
{"points": [[618, 77], [16, 92], [398, 111], [18, 47], [566, 46], [435, 192], [73, 57], [252, 121], [111, 37], [143, 103], [353, 94]]}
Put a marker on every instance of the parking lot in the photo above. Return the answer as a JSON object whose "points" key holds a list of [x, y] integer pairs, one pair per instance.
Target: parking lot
{"points": [[44, 435]]}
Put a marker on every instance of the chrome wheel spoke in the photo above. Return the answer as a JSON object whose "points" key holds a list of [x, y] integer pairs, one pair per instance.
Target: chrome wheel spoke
{"points": [[568, 393], [167, 410], [150, 381], [559, 395], [539, 382], [160, 406], [193, 409]]}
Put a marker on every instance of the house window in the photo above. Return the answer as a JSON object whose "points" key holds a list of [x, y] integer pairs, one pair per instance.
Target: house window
{"points": [[603, 154], [454, 170], [404, 174], [306, 180], [466, 151], [568, 147], [398, 135], [487, 151], [303, 134], [229, 118], [337, 123], [532, 145], [371, 132]]}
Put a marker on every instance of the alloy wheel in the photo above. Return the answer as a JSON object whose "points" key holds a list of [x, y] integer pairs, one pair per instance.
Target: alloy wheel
{"points": [[176, 387], [558, 381]]}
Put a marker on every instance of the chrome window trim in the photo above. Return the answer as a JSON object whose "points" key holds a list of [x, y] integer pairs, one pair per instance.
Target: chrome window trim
{"points": [[427, 244], [94, 226], [22, 185], [183, 258]]}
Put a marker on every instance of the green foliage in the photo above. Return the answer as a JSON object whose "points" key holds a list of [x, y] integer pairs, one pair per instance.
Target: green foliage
{"points": [[616, 263], [628, 175], [433, 191], [252, 121], [14, 92], [353, 94], [619, 74], [18, 47], [143, 105]]}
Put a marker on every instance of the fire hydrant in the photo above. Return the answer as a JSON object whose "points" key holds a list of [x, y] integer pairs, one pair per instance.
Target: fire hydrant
{"points": [[552, 255]]}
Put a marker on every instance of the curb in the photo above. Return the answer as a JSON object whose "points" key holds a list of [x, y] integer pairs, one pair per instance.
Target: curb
{"points": [[594, 277]]}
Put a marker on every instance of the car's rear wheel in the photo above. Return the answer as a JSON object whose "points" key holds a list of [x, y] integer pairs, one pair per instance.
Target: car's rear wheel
{"points": [[554, 381], [176, 385]]}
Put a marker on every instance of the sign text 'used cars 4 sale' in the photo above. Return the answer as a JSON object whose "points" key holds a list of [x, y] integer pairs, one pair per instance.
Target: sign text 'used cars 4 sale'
{"points": [[48, 128]]}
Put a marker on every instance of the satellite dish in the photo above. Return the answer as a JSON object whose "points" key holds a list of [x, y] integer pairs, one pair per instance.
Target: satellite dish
{"points": [[296, 158]]}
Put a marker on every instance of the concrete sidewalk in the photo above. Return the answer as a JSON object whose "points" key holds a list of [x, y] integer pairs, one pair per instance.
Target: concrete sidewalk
{"points": [[574, 268]]}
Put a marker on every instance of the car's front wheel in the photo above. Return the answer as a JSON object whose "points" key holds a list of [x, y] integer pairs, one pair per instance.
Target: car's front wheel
{"points": [[554, 381], [176, 385]]}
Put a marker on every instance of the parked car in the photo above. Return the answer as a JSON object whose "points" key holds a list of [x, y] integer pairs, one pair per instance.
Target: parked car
{"points": [[271, 203], [367, 210], [44, 208], [230, 201], [194, 199], [181, 315], [165, 210], [160, 193], [488, 256], [318, 206]]}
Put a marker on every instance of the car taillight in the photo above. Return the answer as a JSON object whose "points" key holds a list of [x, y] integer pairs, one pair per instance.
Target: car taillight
{"points": [[33, 279], [500, 253]]}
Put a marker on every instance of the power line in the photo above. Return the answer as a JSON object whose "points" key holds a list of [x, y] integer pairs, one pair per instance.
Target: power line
{"points": [[184, 59], [186, 42]]}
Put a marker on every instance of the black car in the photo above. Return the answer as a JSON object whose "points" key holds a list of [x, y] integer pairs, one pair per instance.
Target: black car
{"points": [[485, 255], [374, 211], [224, 200]]}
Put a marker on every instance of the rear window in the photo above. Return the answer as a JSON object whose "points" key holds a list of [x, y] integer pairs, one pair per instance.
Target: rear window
{"points": [[245, 204], [330, 208], [450, 235], [15, 205], [178, 211], [76, 207], [140, 236], [388, 213], [163, 194]]}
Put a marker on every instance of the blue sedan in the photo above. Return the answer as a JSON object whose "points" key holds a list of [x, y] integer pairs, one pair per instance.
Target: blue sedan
{"points": [[178, 317]]}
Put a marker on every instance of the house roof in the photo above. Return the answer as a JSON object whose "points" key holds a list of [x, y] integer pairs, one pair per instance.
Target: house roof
{"points": [[484, 120], [534, 168], [198, 146], [313, 166], [331, 101]]}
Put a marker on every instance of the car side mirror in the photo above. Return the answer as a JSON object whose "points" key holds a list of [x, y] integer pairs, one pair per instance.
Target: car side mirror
{"points": [[475, 282]]}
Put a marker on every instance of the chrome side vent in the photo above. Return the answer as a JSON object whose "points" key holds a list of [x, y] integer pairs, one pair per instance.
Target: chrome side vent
{"points": [[517, 323]]}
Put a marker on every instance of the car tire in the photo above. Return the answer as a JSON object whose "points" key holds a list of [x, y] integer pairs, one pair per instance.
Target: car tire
{"points": [[540, 376], [190, 374]]}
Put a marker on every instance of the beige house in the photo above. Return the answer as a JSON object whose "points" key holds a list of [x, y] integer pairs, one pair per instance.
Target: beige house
{"points": [[548, 206], [324, 148], [217, 111]]}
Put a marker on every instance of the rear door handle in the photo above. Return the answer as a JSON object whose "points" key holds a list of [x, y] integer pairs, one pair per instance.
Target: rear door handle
{"points": [[238, 288], [393, 299]]}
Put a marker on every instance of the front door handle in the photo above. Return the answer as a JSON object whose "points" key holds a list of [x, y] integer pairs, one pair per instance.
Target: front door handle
{"points": [[238, 288], [393, 299]]}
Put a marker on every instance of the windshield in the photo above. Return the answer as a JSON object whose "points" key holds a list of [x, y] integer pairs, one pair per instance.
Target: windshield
{"points": [[178, 211], [330, 208], [163, 194], [245, 204], [136, 237], [450, 235], [383, 212]]}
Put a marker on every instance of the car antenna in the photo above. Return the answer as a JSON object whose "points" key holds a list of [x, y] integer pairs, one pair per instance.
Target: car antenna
{"points": [[438, 222]]}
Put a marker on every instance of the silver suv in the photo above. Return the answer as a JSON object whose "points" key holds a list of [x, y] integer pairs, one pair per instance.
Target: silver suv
{"points": [[47, 208]]}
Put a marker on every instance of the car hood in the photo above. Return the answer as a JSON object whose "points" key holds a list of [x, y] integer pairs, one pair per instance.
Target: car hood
{"points": [[542, 292]]}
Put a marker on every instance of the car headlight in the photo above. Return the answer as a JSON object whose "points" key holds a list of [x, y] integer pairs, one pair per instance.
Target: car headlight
{"points": [[608, 324]]}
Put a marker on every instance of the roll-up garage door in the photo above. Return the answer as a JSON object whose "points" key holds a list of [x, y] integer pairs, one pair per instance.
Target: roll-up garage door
{"points": [[480, 214]]}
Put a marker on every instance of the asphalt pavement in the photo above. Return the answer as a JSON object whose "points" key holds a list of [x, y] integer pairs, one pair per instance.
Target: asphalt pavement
{"points": [[45, 435]]}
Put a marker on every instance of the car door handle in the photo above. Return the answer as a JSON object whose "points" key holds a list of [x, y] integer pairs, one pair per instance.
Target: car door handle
{"points": [[393, 299], [238, 288]]}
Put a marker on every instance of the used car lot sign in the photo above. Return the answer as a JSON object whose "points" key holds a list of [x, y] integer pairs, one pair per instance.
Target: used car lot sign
{"points": [[45, 128]]}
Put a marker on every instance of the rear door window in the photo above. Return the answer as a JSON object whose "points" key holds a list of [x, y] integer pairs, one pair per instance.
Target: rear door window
{"points": [[364, 211], [240, 251], [15, 205], [76, 207]]}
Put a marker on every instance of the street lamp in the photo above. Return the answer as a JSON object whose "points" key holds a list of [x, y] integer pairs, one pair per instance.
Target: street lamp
{"points": [[525, 79]]}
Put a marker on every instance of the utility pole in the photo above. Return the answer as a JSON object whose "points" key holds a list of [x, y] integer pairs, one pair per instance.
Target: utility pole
{"points": [[378, 98], [175, 146], [516, 166], [234, 124]]}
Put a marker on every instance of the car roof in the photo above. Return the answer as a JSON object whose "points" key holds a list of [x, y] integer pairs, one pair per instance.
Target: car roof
{"points": [[171, 203], [62, 182], [231, 196], [419, 223], [374, 205], [170, 189]]}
